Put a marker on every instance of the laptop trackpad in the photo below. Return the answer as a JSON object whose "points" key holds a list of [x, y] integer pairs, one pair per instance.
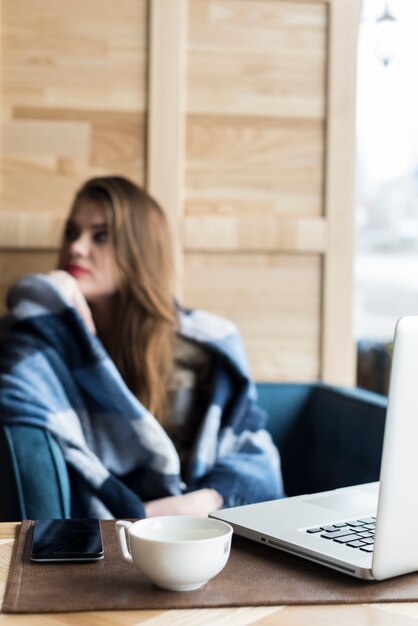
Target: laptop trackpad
{"points": [[348, 504]]}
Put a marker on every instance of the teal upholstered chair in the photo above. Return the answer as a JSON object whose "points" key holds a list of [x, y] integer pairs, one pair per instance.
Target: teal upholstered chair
{"points": [[328, 437], [33, 475]]}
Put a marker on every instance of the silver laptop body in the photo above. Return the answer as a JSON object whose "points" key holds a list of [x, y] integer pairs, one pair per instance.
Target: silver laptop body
{"points": [[393, 502]]}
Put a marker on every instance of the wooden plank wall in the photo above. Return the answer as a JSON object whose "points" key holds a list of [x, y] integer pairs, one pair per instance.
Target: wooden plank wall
{"points": [[73, 104], [238, 115], [254, 174]]}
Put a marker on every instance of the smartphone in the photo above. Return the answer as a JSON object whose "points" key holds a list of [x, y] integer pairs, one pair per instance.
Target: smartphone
{"points": [[67, 540]]}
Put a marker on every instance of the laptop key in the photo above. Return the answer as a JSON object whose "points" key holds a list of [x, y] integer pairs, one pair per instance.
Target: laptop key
{"points": [[339, 533], [330, 529], [346, 538], [367, 548], [314, 530], [355, 544]]}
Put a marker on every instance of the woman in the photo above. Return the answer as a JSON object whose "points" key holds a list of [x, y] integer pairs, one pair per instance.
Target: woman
{"points": [[187, 437]]}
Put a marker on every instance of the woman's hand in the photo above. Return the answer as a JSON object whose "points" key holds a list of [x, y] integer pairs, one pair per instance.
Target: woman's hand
{"points": [[199, 503], [70, 289]]}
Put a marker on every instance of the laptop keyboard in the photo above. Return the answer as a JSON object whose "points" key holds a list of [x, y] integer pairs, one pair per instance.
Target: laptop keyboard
{"points": [[353, 533]]}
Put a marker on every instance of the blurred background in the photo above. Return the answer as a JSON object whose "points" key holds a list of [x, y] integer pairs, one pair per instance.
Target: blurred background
{"points": [[386, 259], [279, 135]]}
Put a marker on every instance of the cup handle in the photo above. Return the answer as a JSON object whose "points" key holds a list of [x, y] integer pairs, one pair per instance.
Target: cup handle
{"points": [[121, 528]]}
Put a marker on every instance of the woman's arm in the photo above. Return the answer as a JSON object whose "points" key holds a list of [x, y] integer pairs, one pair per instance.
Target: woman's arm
{"points": [[247, 464], [200, 502], [243, 478]]}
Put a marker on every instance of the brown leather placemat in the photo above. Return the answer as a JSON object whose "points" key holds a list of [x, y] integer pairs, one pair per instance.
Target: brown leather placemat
{"points": [[254, 575]]}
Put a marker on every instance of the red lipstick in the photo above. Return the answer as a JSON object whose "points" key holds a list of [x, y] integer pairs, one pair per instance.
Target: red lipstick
{"points": [[76, 270]]}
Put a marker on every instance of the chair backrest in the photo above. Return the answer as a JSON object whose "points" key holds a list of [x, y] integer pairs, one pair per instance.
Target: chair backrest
{"points": [[328, 437], [34, 475]]}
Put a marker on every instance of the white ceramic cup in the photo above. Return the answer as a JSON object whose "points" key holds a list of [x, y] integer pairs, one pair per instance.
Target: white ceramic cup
{"points": [[180, 553]]}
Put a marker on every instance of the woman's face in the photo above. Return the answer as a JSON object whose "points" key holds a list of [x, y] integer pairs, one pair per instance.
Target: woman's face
{"points": [[86, 253]]}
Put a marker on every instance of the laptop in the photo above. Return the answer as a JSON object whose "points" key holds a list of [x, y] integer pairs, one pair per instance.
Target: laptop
{"points": [[367, 531]]}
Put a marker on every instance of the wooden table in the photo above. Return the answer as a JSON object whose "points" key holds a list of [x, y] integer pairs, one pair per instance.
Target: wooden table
{"points": [[399, 614]]}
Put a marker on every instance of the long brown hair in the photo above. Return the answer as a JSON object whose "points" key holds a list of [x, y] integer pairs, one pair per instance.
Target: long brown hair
{"points": [[142, 342]]}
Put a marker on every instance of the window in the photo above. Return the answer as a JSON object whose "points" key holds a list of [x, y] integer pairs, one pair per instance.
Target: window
{"points": [[386, 263]]}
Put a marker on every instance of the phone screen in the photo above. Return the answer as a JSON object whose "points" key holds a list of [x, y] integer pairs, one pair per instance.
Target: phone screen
{"points": [[67, 540]]}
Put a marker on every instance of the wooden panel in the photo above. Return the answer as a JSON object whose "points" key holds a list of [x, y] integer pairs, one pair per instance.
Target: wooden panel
{"points": [[166, 87], [14, 265], [116, 137], [274, 300], [86, 55], [255, 234], [254, 165], [73, 106], [269, 153], [339, 199], [251, 148], [35, 185], [263, 56], [17, 228], [254, 177], [43, 179], [167, 94], [68, 140]]}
